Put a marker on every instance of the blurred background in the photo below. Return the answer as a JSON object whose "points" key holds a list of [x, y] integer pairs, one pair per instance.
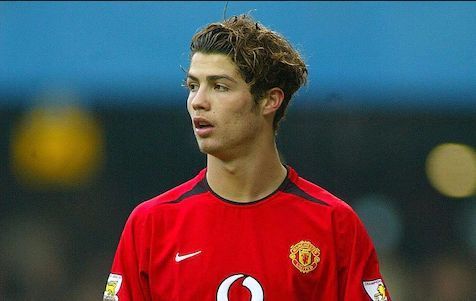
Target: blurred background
{"points": [[93, 122]]}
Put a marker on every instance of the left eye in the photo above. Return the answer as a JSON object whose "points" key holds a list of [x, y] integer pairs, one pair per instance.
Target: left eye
{"points": [[221, 88]]}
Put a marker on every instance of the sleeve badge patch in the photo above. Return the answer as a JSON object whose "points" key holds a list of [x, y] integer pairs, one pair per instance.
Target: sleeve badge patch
{"points": [[112, 287], [376, 290]]}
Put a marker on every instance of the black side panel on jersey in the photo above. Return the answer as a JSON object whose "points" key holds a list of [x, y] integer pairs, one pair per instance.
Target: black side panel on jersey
{"points": [[294, 189], [199, 188]]}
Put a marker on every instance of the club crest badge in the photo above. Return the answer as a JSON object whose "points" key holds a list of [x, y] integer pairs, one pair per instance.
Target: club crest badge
{"points": [[305, 256], [376, 290]]}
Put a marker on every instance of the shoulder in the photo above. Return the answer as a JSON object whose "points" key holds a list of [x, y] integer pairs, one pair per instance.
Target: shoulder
{"points": [[345, 221], [171, 196], [315, 191]]}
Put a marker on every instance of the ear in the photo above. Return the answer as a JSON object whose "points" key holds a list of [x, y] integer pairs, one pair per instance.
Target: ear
{"points": [[273, 100]]}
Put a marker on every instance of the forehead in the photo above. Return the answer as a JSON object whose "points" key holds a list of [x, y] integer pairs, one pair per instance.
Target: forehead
{"points": [[204, 64]]}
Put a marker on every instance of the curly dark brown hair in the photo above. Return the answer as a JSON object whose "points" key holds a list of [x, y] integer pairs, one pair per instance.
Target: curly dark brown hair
{"points": [[264, 57]]}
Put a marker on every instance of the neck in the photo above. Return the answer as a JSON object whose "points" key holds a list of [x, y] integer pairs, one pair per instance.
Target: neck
{"points": [[246, 178]]}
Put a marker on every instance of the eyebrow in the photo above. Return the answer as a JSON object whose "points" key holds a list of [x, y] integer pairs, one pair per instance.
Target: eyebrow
{"points": [[211, 78]]}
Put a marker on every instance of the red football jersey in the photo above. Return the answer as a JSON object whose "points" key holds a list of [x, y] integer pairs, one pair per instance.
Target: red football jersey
{"points": [[299, 243]]}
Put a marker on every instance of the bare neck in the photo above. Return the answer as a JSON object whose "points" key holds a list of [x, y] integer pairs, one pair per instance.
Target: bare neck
{"points": [[246, 178]]}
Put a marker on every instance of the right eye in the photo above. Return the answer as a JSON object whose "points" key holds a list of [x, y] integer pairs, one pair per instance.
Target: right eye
{"points": [[192, 87]]}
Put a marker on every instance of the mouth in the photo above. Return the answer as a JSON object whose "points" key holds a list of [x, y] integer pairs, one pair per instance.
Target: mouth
{"points": [[201, 123], [203, 128]]}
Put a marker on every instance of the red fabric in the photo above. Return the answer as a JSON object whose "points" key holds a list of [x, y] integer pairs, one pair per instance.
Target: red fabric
{"points": [[242, 251]]}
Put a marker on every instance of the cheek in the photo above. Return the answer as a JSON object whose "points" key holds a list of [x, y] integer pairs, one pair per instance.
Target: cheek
{"points": [[245, 121]]}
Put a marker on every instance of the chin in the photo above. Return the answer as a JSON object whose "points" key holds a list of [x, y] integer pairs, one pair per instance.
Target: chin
{"points": [[206, 148], [212, 150]]}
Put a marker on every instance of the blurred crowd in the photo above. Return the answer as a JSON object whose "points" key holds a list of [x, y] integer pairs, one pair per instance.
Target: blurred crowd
{"points": [[61, 221]]}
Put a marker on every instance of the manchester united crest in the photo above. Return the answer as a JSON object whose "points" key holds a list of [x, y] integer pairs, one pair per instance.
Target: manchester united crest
{"points": [[305, 256]]}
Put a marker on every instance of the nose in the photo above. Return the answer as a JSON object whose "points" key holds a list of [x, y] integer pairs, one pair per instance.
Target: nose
{"points": [[199, 100]]}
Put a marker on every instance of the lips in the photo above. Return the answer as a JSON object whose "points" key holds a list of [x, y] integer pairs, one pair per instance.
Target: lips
{"points": [[202, 126], [200, 123]]}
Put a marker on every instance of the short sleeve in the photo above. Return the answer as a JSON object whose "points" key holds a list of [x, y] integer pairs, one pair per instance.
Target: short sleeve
{"points": [[358, 267], [128, 279]]}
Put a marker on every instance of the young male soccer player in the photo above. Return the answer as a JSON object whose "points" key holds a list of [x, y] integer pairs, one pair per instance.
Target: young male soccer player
{"points": [[246, 227]]}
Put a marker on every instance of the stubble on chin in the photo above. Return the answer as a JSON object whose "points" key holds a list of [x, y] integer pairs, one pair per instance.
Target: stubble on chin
{"points": [[203, 146]]}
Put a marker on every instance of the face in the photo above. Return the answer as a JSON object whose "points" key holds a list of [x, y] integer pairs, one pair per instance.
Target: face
{"points": [[225, 118]]}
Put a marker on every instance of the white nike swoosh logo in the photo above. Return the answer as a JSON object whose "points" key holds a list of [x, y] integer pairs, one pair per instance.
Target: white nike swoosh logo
{"points": [[179, 258]]}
